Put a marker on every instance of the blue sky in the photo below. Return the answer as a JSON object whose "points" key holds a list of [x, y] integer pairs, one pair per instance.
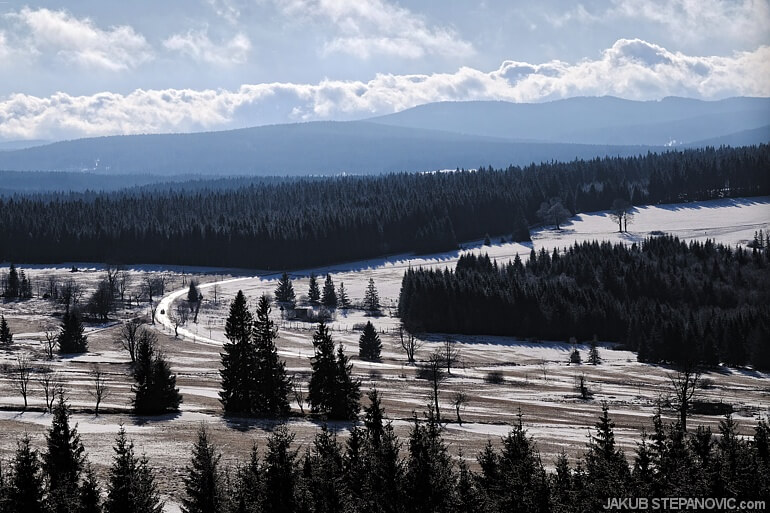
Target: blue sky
{"points": [[81, 68]]}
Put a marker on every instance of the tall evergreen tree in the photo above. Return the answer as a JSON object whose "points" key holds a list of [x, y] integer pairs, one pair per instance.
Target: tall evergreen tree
{"points": [[193, 293], [238, 359], [348, 389], [26, 480], [6, 337], [323, 381], [284, 292], [12, 286], [384, 475], [325, 482], [313, 292], [593, 354], [342, 297], [369, 345], [71, 338], [203, 482], [272, 386], [371, 298], [329, 296], [90, 494], [131, 487], [154, 386], [281, 476], [63, 461], [429, 474]]}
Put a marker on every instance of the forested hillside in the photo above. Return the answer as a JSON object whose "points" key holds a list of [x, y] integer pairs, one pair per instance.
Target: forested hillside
{"points": [[318, 221], [668, 300]]}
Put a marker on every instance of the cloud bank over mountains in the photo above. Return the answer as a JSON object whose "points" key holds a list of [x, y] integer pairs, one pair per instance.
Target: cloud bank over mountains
{"points": [[630, 68]]}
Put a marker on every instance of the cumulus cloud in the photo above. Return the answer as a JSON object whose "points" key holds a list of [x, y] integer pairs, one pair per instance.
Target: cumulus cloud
{"points": [[365, 28], [198, 46], [630, 68], [79, 40]]}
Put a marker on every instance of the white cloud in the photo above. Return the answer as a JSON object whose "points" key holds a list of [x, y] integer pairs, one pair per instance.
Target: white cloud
{"points": [[630, 68], [226, 9], [365, 28], [198, 46], [693, 21], [78, 40]]}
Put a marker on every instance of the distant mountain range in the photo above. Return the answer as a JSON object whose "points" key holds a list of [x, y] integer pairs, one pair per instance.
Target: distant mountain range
{"points": [[425, 138]]}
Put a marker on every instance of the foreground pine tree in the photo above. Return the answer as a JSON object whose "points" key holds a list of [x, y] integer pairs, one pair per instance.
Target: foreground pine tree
{"points": [[131, 487], [25, 494], [270, 397], [429, 474], [238, 359], [90, 494], [63, 461], [281, 475], [369, 345], [203, 482], [154, 389], [71, 338], [6, 337]]}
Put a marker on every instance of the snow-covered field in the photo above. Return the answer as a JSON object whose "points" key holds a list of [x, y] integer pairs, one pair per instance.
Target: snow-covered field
{"points": [[537, 380]]}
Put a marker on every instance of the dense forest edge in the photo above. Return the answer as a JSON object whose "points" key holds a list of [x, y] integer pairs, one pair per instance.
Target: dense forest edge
{"points": [[668, 300], [310, 222], [374, 470]]}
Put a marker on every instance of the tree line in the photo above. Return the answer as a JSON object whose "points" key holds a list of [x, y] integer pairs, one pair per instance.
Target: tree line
{"points": [[672, 301], [374, 470], [310, 222]]}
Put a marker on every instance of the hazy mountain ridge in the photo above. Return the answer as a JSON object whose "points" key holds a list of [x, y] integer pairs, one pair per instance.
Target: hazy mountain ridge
{"points": [[424, 138]]}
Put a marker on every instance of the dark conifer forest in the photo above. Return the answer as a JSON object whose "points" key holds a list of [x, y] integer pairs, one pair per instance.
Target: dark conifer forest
{"points": [[314, 221], [669, 300]]}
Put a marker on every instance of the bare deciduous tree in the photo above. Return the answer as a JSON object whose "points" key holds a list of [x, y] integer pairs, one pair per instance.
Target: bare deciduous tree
{"points": [[51, 341], [450, 354], [153, 286], [459, 400], [71, 292], [409, 343], [129, 337], [99, 390], [51, 383], [179, 317], [621, 212], [299, 395], [123, 282], [435, 373], [20, 375], [215, 293], [684, 383], [544, 368], [581, 386]]}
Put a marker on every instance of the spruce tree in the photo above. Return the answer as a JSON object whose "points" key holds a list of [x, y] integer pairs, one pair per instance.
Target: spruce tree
{"points": [[203, 482], [342, 297], [12, 286], [371, 298], [238, 359], [369, 345], [593, 353], [284, 292], [325, 468], [281, 476], [271, 385], [6, 337], [63, 461], [322, 388], [154, 386], [90, 494], [131, 487], [71, 338], [384, 476], [26, 481], [329, 297], [429, 475], [522, 471], [313, 292], [348, 390], [193, 294]]}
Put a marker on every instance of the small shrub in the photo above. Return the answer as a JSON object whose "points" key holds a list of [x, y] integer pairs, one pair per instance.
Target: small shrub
{"points": [[706, 384], [494, 377]]}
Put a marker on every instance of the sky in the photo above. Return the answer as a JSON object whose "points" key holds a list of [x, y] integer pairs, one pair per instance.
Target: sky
{"points": [[91, 68]]}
